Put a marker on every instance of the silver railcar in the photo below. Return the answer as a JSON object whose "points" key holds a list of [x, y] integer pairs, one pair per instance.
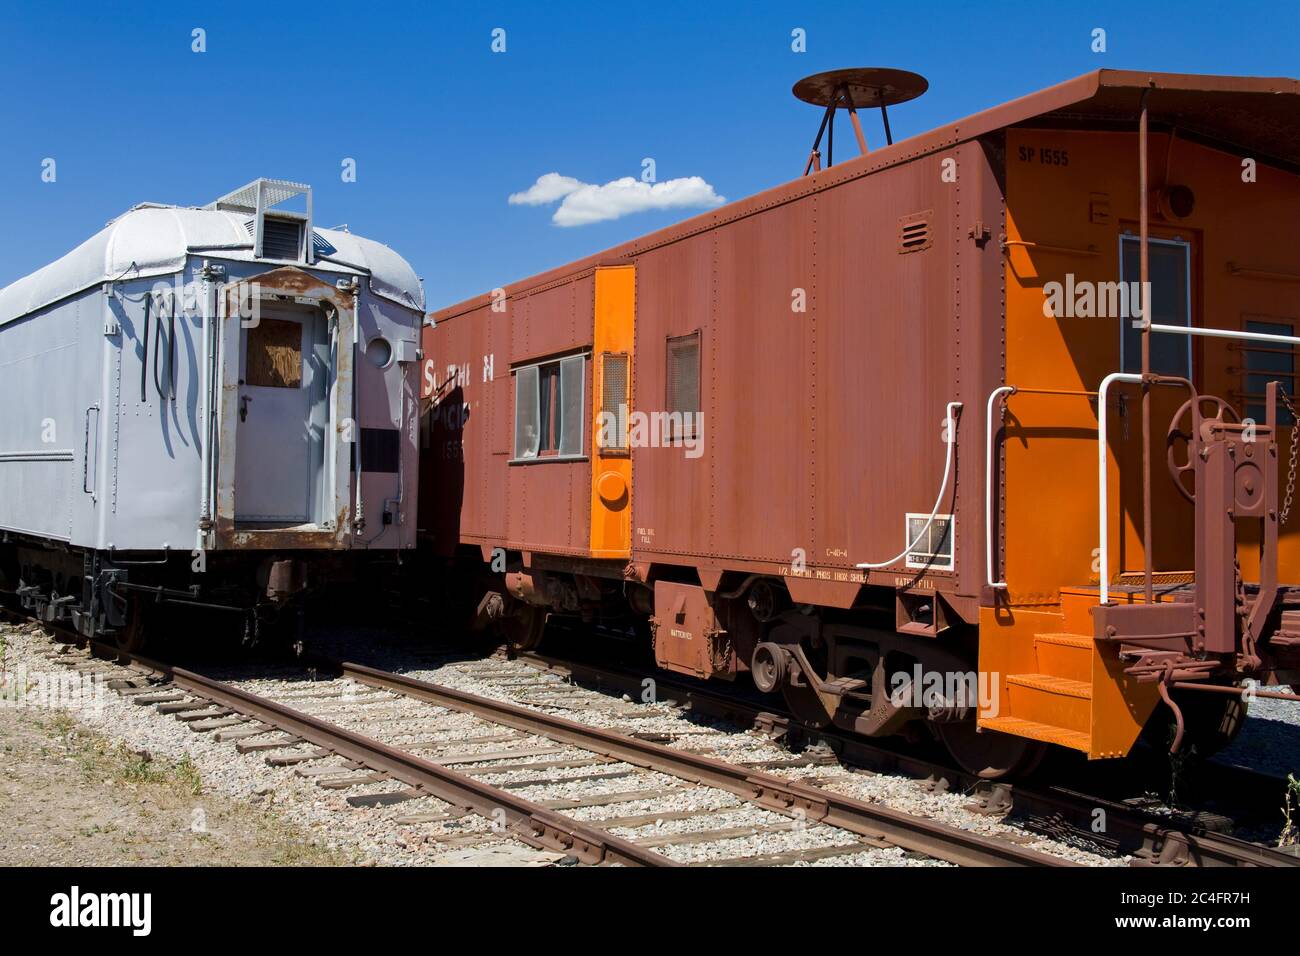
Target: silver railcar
{"points": [[205, 406]]}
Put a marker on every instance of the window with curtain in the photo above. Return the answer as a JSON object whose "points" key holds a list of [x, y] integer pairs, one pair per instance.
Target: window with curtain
{"points": [[548, 409]]}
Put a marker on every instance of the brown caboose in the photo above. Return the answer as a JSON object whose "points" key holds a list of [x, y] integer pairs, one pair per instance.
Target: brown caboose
{"points": [[844, 434]]}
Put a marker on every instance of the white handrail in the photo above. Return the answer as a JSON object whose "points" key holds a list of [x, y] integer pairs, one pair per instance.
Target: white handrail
{"points": [[1227, 334], [988, 484], [951, 436], [1104, 564]]}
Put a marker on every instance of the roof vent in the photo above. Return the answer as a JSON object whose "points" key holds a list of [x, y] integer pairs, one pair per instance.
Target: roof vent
{"points": [[865, 86], [280, 234]]}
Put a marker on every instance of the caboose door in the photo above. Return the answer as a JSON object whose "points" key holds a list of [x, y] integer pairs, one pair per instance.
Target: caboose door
{"points": [[1173, 302], [283, 416]]}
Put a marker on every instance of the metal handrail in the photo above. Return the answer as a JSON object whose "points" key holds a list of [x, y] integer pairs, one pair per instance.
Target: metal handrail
{"points": [[994, 395], [1225, 334], [989, 536], [1103, 567]]}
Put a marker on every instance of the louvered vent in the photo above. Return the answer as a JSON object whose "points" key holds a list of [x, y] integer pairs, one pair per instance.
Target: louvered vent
{"points": [[684, 383], [321, 245], [281, 239], [914, 232], [613, 400]]}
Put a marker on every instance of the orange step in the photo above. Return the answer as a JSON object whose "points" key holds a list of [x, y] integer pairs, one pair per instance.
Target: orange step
{"points": [[1064, 655], [1038, 731], [1060, 685], [1059, 702], [1076, 609]]}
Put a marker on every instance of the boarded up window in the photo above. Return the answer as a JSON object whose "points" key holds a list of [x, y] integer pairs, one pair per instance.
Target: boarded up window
{"points": [[683, 377], [274, 356]]}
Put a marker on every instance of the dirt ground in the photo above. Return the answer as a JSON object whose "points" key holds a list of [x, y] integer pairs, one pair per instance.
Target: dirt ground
{"points": [[69, 797]]}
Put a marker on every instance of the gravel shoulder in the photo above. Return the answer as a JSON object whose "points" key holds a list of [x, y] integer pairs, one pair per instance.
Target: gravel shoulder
{"points": [[70, 796]]}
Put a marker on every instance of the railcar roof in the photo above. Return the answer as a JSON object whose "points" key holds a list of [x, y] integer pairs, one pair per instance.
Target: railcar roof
{"points": [[152, 240], [1256, 116]]}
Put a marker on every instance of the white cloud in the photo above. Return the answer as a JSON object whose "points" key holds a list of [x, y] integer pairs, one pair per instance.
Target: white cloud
{"points": [[547, 189], [583, 203]]}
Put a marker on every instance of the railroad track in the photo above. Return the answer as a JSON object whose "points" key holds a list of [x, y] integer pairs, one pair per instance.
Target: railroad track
{"points": [[1057, 811], [291, 732]]}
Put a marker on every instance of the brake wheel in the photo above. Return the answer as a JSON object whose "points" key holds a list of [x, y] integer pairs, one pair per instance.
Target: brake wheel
{"points": [[1220, 411]]}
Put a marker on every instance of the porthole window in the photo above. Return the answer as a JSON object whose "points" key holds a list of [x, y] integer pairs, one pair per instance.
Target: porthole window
{"points": [[379, 352]]}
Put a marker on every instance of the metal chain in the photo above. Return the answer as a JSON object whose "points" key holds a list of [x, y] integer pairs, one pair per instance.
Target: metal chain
{"points": [[1295, 449]]}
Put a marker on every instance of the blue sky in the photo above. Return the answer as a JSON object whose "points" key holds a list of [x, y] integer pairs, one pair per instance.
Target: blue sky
{"points": [[443, 130]]}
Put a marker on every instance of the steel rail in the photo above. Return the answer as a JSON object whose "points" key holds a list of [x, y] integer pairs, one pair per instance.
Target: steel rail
{"points": [[528, 821], [1128, 831], [791, 798]]}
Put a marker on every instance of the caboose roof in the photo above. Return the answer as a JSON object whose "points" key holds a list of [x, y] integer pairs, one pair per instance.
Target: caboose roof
{"points": [[152, 240], [1257, 117]]}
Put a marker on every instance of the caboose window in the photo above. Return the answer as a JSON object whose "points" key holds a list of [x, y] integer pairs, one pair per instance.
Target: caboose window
{"points": [[548, 409], [683, 381], [274, 355], [1171, 304], [1264, 364]]}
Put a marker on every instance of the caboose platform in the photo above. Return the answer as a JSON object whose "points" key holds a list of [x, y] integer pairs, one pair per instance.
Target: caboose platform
{"points": [[1062, 685]]}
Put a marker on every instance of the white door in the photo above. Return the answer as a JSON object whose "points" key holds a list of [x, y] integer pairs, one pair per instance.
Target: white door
{"points": [[283, 415]]}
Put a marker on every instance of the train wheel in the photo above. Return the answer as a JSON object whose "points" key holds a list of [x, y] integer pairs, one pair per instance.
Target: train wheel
{"points": [[524, 629], [1211, 723], [132, 636], [806, 706], [990, 754]]}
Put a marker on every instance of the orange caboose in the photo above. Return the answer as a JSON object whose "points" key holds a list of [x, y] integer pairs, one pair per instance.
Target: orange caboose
{"points": [[845, 434]]}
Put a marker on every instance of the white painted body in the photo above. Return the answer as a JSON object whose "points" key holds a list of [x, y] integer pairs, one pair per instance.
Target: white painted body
{"points": [[95, 451]]}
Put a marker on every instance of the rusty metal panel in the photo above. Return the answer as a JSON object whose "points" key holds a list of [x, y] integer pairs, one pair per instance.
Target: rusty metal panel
{"points": [[827, 358], [456, 438], [687, 636], [557, 318], [472, 491], [674, 297], [981, 317], [886, 362], [760, 414]]}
